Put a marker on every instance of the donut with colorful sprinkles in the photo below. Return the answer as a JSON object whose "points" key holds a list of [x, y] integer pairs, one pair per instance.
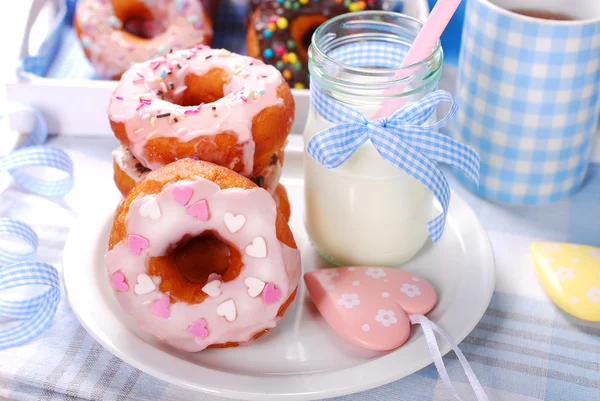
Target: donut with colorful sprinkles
{"points": [[207, 104], [280, 31], [115, 34], [201, 258]]}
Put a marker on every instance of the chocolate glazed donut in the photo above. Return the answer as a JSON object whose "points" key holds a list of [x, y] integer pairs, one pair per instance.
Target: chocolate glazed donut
{"points": [[280, 33]]}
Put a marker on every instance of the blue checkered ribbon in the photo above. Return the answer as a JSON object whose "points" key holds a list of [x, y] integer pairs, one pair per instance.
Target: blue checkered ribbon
{"points": [[31, 154], [19, 269], [403, 139]]}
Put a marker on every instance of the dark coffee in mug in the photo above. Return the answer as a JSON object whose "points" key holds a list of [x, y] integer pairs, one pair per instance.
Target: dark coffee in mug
{"points": [[542, 14]]}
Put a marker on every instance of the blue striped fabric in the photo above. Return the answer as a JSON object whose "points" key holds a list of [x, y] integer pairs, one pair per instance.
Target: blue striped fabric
{"points": [[402, 139]]}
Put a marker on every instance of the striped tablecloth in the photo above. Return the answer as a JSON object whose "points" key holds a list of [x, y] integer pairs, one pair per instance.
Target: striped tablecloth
{"points": [[524, 348]]}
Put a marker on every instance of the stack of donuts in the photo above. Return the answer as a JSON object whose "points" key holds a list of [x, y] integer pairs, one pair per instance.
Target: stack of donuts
{"points": [[200, 252], [206, 104]]}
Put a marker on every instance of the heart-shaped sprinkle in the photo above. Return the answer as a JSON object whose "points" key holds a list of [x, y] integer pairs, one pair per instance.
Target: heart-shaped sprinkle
{"points": [[160, 307], [150, 209], [198, 328], [144, 284], [258, 248], [271, 294], [199, 210], [212, 288], [234, 222], [182, 194], [136, 243], [119, 283], [255, 286], [227, 310]]}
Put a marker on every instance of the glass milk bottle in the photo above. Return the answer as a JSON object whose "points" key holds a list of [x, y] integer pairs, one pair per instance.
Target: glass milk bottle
{"points": [[366, 211]]}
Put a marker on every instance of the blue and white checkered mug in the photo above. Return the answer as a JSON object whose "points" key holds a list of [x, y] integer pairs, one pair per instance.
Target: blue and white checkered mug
{"points": [[528, 94]]}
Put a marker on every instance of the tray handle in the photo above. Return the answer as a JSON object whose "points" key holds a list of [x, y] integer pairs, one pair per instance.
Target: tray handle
{"points": [[34, 11]]}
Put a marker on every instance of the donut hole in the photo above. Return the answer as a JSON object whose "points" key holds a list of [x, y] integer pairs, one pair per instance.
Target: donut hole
{"points": [[301, 32], [137, 19], [199, 257], [308, 37], [185, 270], [206, 88], [142, 27]]}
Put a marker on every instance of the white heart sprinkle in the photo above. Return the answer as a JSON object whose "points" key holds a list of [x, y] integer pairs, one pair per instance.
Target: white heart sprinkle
{"points": [[150, 209], [212, 288], [258, 248], [234, 222], [255, 286], [144, 284], [227, 309]]}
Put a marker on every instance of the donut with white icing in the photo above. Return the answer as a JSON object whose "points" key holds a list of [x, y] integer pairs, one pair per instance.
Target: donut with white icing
{"points": [[128, 172], [115, 34], [200, 257], [207, 104]]}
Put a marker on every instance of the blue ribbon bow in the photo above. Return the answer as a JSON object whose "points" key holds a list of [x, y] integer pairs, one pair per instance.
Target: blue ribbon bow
{"points": [[402, 139], [18, 269]]}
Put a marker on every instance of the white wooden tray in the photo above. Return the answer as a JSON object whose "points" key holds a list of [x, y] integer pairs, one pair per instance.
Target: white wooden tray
{"points": [[78, 107]]}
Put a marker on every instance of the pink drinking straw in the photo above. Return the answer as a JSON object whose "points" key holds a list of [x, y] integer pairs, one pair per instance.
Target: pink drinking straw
{"points": [[421, 48]]}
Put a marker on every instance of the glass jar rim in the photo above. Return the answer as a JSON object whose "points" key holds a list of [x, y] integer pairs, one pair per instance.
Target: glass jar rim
{"points": [[314, 44]]}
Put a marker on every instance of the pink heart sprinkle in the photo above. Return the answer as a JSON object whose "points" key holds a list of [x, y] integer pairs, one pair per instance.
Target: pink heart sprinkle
{"points": [[271, 294], [161, 307], [182, 194], [119, 283], [198, 328], [199, 210], [137, 244]]}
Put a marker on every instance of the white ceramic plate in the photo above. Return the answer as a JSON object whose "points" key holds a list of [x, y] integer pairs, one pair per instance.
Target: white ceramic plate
{"points": [[301, 359]]}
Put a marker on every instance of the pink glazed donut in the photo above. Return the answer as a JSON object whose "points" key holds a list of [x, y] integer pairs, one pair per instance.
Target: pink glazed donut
{"points": [[201, 257], [208, 104], [115, 34]]}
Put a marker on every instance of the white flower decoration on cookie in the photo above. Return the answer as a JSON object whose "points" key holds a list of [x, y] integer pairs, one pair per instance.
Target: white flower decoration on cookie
{"points": [[595, 253], [552, 247], [349, 301], [329, 273], [375, 272], [565, 273], [594, 294], [386, 317], [410, 290]]}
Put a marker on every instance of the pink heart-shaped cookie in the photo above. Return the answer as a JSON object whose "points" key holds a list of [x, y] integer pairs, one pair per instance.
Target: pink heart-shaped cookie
{"points": [[199, 210], [160, 307], [119, 283], [182, 194], [370, 306], [271, 294], [198, 329], [136, 243]]}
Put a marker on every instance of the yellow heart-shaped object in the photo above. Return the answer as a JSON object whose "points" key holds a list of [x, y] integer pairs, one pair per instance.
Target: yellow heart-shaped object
{"points": [[570, 274]]}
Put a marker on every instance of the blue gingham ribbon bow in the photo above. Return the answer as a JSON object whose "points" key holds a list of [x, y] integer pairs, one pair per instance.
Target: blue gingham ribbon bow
{"points": [[18, 268], [403, 139]]}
